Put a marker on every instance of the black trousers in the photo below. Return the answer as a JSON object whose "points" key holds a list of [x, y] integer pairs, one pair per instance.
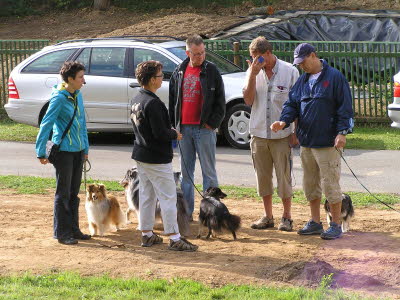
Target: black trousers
{"points": [[68, 167]]}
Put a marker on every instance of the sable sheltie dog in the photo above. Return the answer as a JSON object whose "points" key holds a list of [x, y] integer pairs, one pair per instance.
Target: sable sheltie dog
{"points": [[103, 210], [347, 212], [215, 215], [131, 186]]}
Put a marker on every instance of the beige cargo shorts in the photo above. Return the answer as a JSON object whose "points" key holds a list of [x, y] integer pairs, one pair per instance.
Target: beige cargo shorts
{"points": [[266, 155], [321, 167]]}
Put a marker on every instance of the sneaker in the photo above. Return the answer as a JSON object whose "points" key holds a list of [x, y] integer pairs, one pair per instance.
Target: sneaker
{"points": [[182, 245], [333, 232], [286, 225], [311, 228], [148, 241], [263, 223]]}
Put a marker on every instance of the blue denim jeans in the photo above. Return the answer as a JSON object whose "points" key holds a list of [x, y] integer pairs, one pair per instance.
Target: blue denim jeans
{"points": [[202, 141]]}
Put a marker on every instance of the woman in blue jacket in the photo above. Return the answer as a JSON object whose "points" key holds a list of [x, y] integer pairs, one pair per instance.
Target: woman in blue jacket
{"points": [[74, 148]]}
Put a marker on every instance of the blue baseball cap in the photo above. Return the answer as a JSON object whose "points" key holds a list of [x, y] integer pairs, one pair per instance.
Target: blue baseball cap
{"points": [[301, 52]]}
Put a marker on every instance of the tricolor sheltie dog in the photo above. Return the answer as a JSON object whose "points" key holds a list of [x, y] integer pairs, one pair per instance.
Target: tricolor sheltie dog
{"points": [[346, 215], [215, 215], [131, 186], [103, 211]]}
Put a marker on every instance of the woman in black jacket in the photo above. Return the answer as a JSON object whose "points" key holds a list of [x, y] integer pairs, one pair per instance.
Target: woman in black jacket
{"points": [[153, 154]]}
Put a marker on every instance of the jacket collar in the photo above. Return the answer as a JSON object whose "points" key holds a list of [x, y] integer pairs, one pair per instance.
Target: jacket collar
{"points": [[325, 66], [185, 63], [144, 91]]}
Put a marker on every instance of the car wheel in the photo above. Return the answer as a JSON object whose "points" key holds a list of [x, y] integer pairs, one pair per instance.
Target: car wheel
{"points": [[236, 126]]}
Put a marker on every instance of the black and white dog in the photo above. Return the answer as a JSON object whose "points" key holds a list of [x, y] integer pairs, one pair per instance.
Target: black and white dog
{"points": [[347, 212], [215, 215], [131, 186]]}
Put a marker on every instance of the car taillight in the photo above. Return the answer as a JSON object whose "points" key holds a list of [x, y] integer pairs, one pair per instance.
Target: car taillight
{"points": [[12, 89]]}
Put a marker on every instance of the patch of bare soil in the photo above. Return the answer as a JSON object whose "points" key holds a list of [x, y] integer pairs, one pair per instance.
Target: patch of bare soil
{"points": [[365, 260], [178, 25]]}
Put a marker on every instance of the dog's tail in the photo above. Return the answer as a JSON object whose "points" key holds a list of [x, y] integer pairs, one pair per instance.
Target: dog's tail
{"points": [[232, 222]]}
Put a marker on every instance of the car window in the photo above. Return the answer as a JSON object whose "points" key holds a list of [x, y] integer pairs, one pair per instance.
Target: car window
{"points": [[49, 63], [140, 55], [84, 57], [108, 61], [224, 66]]}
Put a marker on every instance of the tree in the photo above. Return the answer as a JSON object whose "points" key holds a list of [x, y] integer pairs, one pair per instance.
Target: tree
{"points": [[101, 4]]}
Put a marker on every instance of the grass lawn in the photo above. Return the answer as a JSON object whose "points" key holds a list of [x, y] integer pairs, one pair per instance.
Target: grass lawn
{"points": [[74, 286], [39, 185]]}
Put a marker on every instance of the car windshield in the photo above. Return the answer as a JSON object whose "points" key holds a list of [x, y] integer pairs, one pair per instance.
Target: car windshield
{"points": [[224, 66]]}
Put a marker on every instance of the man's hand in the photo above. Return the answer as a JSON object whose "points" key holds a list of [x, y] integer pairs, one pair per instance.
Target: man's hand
{"points": [[86, 157], [293, 141], [255, 66], [208, 126], [340, 141], [277, 125], [179, 135]]}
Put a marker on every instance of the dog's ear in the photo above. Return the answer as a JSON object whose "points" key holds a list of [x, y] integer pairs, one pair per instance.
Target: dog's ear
{"points": [[209, 191], [177, 178], [89, 188], [102, 189]]}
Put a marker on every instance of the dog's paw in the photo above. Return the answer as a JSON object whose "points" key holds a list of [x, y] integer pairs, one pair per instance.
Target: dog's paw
{"points": [[198, 236]]}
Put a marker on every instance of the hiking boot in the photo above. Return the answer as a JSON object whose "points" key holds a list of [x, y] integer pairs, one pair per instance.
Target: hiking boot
{"points": [[182, 245], [68, 241], [311, 228], [81, 236], [286, 225], [333, 232], [148, 241], [263, 223]]}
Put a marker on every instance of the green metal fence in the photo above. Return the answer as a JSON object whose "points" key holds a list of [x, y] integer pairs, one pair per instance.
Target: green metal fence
{"points": [[12, 52], [368, 66]]}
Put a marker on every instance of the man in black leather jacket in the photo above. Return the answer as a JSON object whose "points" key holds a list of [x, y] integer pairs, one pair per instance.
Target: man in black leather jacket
{"points": [[196, 108]]}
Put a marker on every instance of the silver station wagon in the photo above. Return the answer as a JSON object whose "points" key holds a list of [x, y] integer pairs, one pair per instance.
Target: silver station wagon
{"points": [[111, 83]]}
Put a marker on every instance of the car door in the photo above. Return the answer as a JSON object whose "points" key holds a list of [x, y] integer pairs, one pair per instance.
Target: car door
{"points": [[143, 54], [106, 91]]}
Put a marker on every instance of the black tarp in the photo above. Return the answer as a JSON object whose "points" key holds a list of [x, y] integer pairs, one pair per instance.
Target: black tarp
{"points": [[378, 26]]}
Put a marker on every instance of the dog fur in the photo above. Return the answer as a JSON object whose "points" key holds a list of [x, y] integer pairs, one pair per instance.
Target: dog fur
{"points": [[215, 215], [131, 186], [347, 212], [103, 211]]}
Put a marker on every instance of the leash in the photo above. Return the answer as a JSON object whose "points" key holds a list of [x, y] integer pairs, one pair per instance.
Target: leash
{"points": [[379, 200], [85, 170], [184, 163]]}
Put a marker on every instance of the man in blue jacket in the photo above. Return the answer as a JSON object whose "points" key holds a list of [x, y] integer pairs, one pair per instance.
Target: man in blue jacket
{"points": [[321, 101]]}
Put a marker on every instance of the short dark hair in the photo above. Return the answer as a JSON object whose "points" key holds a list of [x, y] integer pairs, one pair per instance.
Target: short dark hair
{"points": [[147, 69], [70, 69], [194, 39], [260, 45]]}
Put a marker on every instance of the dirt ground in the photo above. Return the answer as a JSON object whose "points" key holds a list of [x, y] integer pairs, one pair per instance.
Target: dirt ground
{"points": [[178, 22], [366, 260]]}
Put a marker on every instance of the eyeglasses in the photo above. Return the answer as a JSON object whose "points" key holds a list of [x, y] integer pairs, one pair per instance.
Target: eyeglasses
{"points": [[198, 54], [162, 75]]}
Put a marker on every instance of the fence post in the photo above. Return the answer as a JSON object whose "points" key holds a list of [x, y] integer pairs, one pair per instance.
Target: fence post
{"points": [[236, 56]]}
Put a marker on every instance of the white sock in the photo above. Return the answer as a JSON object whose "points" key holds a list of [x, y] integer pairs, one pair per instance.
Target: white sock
{"points": [[149, 234], [175, 237]]}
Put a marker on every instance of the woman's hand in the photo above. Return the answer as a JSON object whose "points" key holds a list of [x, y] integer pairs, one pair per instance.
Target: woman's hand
{"points": [[43, 161]]}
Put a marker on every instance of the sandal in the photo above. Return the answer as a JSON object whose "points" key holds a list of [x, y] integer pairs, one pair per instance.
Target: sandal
{"points": [[182, 245], [150, 241]]}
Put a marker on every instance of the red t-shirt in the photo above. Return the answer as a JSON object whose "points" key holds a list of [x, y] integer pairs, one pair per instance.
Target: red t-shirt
{"points": [[192, 99]]}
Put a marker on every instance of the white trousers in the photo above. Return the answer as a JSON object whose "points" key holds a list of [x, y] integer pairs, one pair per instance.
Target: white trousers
{"points": [[156, 181]]}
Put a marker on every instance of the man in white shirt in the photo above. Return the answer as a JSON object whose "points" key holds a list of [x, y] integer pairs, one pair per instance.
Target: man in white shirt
{"points": [[266, 89]]}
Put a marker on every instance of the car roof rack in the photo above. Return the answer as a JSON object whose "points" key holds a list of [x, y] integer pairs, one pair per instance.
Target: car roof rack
{"points": [[133, 37]]}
